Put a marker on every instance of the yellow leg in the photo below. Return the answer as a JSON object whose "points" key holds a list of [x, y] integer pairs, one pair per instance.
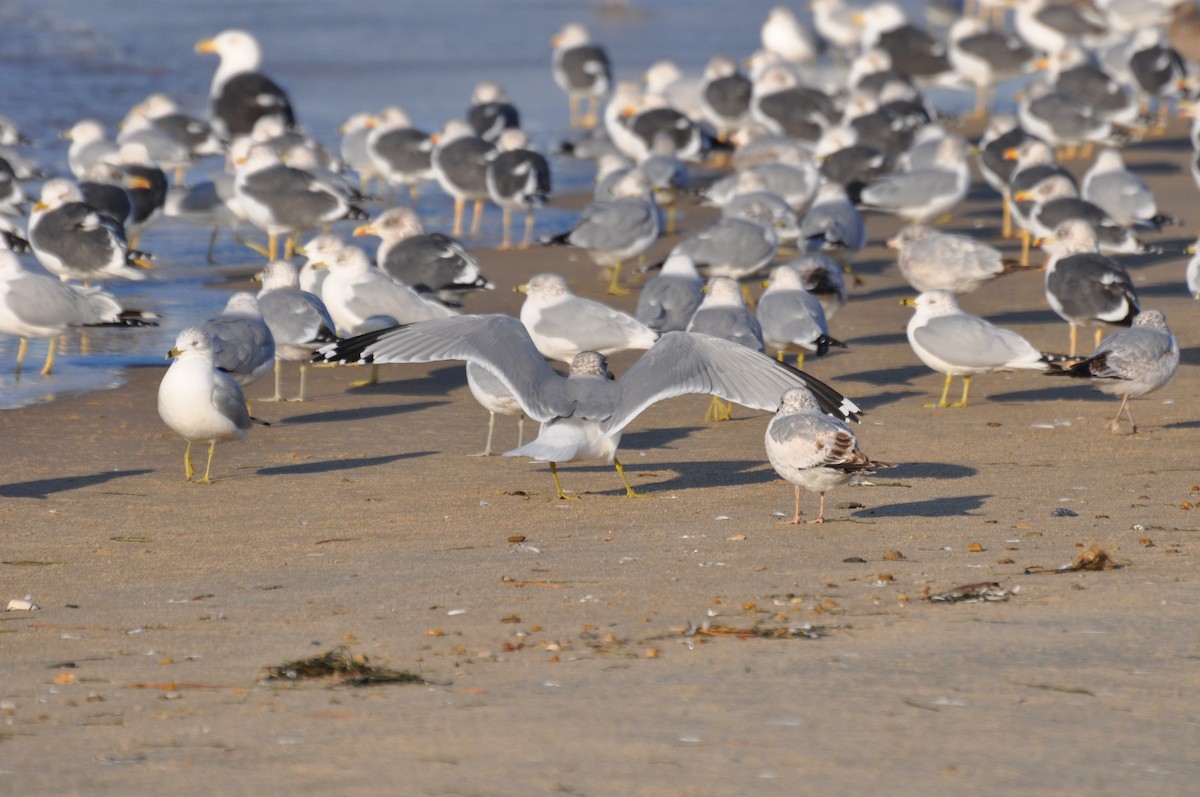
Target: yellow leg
{"points": [[614, 289], [945, 392], [459, 204], [1006, 224], [49, 365], [188, 470], [528, 231], [1099, 337], [1074, 338], [272, 246], [506, 226], [671, 220], [414, 193], [966, 387], [589, 115], [289, 246], [780, 355], [212, 448], [718, 410], [573, 109], [476, 216], [800, 361], [558, 485], [303, 380], [262, 250], [21, 349], [370, 381], [629, 491], [1085, 151], [1026, 242]]}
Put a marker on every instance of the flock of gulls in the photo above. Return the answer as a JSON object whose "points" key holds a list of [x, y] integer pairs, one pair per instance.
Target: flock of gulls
{"points": [[822, 123]]}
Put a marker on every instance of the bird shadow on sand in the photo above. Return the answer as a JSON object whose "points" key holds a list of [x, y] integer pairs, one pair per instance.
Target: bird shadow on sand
{"points": [[1055, 390], [925, 470], [44, 488], [1190, 356], [655, 438], [684, 475], [895, 338], [886, 376], [950, 506], [394, 381], [332, 465], [358, 413], [896, 292], [1016, 317]]}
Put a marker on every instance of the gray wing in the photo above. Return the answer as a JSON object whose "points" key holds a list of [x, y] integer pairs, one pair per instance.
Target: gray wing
{"points": [[835, 224], [380, 295], [613, 225], [591, 325], [499, 343], [908, 189], [734, 324], [294, 196], [667, 304], [45, 301], [971, 342], [958, 254], [728, 242], [792, 317], [296, 317], [228, 400], [1132, 354], [1122, 194], [240, 345], [686, 362]]}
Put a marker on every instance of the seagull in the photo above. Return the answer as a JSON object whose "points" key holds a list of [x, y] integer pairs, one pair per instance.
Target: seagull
{"points": [[460, 162], [401, 153], [615, 230], [584, 414], [490, 391], [88, 145], [75, 241], [924, 194], [353, 148], [723, 314], [667, 302], [811, 449], [1084, 286], [1130, 363], [958, 344], [34, 305], [491, 113], [280, 199], [792, 318], [430, 263], [581, 69], [832, 223], [240, 94], [931, 260], [242, 344], [517, 179], [199, 402], [299, 322], [1120, 193], [562, 324]]}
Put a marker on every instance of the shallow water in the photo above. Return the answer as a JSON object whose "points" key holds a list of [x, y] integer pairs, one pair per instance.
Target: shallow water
{"points": [[67, 60]]}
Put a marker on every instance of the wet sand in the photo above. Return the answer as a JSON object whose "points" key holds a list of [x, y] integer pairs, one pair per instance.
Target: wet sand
{"points": [[562, 663]]}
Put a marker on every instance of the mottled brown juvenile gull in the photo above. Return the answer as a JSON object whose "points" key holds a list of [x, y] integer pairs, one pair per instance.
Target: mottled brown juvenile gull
{"points": [[198, 402], [240, 94], [955, 343], [810, 449], [1130, 363], [430, 263], [562, 324], [938, 261], [584, 414], [581, 69], [37, 306]]}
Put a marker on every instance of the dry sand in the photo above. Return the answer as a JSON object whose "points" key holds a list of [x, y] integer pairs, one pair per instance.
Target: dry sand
{"points": [[559, 664]]}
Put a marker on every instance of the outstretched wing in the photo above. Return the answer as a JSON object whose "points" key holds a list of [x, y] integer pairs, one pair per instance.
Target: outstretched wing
{"points": [[497, 342], [689, 362]]}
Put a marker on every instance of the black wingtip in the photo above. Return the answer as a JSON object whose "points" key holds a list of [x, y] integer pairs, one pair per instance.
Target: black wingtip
{"points": [[831, 401]]}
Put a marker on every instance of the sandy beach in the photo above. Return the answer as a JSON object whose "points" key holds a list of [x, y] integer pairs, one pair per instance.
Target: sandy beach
{"points": [[563, 645]]}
